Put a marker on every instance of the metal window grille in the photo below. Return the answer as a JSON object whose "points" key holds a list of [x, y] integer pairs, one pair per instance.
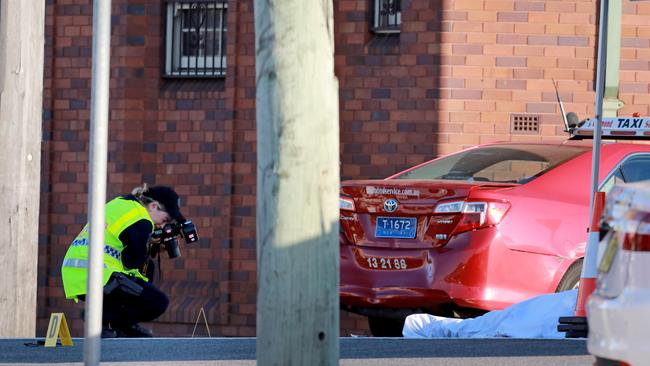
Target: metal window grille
{"points": [[387, 16], [196, 38]]}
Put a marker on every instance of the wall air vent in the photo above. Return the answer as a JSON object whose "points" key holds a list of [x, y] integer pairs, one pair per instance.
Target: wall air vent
{"points": [[524, 124]]}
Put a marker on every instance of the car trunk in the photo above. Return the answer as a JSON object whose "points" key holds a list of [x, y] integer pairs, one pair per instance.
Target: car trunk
{"points": [[400, 213]]}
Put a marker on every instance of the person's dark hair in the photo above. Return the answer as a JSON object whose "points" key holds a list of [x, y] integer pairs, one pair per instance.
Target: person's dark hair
{"points": [[164, 195]]}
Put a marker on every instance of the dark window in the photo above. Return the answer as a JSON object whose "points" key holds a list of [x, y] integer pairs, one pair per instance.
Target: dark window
{"points": [[196, 38], [633, 169], [387, 16], [636, 169], [503, 164]]}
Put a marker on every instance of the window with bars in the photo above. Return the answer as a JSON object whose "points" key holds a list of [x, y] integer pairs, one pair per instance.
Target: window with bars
{"points": [[195, 38], [387, 16]]}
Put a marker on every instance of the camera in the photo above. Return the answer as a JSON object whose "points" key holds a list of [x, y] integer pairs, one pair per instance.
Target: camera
{"points": [[167, 236]]}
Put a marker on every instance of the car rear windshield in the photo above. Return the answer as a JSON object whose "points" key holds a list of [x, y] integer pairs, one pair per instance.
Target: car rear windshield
{"points": [[516, 163]]}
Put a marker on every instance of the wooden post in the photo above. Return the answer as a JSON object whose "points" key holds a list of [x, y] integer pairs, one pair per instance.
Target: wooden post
{"points": [[297, 184], [21, 100]]}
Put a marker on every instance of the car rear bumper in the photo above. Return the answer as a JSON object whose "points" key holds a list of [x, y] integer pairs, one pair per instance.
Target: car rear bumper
{"points": [[358, 299], [392, 301], [468, 272], [618, 327]]}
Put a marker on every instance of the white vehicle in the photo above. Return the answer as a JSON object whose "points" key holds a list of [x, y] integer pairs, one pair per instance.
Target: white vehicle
{"points": [[618, 311]]}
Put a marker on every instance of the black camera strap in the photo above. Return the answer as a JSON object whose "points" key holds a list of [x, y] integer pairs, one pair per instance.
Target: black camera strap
{"points": [[152, 252], [159, 270]]}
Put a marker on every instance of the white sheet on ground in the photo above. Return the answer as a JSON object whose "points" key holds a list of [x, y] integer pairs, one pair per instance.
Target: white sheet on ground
{"points": [[534, 318]]}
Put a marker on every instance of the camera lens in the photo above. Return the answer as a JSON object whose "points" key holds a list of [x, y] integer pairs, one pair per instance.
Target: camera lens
{"points": [[173, 251]]}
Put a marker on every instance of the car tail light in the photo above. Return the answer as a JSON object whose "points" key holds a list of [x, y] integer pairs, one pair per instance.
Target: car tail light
{"points": [[346, 203], [607, 362], [451, 218], [639, 241]]}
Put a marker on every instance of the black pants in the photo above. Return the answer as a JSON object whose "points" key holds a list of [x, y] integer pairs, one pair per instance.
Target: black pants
{"points": [[122, 307]]}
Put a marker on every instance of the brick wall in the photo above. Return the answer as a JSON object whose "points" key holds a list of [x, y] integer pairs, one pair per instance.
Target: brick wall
{"points": [[197, 136], [449, 80]]}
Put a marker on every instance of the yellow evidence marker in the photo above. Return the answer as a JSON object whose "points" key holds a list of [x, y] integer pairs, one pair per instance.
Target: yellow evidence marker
{"points": [[58, 327]]}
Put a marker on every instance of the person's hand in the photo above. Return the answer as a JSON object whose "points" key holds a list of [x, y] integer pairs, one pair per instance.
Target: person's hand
{"points": [[155, 240], [154, 248]]}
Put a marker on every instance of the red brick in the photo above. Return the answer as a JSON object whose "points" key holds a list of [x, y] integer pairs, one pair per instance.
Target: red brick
{"points": [[467, 27], [511, 39], [641, 88], [639, 77], [482, 38], [480, 60], [495, 49], [545, 17], [498, 27], [498, 72], [481, 16], [497, 118], [575, 18], [467, 49], [464, 117], [585, 30], [528, 51], [528, 73], [510, 107], [560, 6], [485, 84], [463, 139], [498, 95], [514, 16], [468, 4], [572, 63], [466, 71], [540, 107], [511, 61], [498, 5], [512, 84], [530, 6], [454, 15], [481, 105], [542, 62]]}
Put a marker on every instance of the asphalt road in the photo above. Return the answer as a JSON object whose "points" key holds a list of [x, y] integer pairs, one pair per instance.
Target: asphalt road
{"points": [[353, 351]]}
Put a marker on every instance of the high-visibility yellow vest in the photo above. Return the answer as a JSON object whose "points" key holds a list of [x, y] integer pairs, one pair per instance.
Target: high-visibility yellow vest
{"points": [[120, 214]]}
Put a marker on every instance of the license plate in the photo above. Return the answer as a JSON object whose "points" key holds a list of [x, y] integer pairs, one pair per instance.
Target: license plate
{"points": [[386, 263], [395, 227]]}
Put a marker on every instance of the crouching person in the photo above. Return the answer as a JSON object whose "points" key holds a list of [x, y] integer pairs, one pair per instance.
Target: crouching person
{"points": [[129, 297]]}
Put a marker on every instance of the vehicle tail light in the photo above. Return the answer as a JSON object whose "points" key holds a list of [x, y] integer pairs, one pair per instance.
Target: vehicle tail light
{"points": [[639, 241], [451, 218], [607, 362], [346, 203]]}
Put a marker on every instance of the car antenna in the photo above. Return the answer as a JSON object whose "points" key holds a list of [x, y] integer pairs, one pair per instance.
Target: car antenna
{"points": [[559, 100]]}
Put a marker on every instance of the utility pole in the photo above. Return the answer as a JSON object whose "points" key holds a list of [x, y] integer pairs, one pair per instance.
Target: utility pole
{"points": [[99, 98], [21, 99], [297, 184]]}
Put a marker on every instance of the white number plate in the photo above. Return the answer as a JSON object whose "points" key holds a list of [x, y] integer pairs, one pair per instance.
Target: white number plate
{"points": [[386, 263]]}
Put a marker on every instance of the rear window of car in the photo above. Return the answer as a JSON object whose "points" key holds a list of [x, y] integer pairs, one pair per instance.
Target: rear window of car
{"points": [[516, 163]]}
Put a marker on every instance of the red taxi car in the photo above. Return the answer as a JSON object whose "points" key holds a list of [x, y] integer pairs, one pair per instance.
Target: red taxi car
{"points": [[472, 231]]}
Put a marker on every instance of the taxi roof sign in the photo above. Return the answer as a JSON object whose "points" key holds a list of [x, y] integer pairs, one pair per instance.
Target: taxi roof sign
{"points": [[616, 128]]}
